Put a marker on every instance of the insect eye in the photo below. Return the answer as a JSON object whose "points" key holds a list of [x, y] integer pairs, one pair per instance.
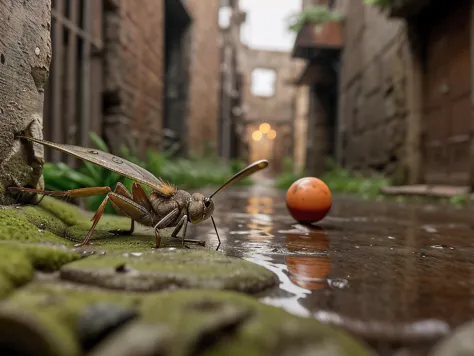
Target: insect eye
{"points": [[207, 202]]}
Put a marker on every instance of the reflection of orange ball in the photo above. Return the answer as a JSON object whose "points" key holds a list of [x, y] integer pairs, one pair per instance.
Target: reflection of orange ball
{"points": [[308, 200]]}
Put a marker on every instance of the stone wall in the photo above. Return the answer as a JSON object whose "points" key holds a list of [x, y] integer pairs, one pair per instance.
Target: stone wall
{"points": [[204, 88], [278, 107], [372, 104], [25, 56], [135, 96]]}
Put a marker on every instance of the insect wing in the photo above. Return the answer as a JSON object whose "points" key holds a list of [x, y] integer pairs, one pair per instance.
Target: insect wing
{"points": [[115, 164]]}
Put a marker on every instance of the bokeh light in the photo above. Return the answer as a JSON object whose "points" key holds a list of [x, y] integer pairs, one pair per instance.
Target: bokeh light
{"points": [[272, 134], [265, 127], [257, 135]]}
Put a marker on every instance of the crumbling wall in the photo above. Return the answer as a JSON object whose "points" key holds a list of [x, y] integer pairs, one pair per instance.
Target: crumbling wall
{"points": [[372, 105], [25, 56]]}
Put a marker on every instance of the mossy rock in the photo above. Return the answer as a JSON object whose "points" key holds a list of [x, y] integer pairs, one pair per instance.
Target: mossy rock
{"points": [[19, 261], [192, 322], [59, 222], [170, 268], [56, 222]]}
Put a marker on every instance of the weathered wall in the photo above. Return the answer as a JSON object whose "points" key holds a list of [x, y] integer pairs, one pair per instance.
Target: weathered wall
{"points": [[279, 106], [300, 128], [204, 76], [372, 102], [25, 55], [278, 110]]}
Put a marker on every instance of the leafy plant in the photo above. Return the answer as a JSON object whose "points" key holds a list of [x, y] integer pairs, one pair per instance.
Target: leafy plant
{"points": [[196, 172], [317, 15]]}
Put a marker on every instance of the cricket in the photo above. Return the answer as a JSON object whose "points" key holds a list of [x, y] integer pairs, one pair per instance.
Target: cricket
{"points": [[166, 206]]}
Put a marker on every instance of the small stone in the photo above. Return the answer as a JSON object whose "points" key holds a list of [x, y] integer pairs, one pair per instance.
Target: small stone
{"points": [[99, 320], [135, 339]]}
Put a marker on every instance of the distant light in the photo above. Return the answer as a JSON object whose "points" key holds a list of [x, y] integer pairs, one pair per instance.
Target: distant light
{"points": [[265, 127], [257, 135], [224, 17], [272, 134]]}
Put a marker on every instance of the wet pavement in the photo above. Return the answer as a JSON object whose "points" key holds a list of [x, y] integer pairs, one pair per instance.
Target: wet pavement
{"points": [[394, 274]]}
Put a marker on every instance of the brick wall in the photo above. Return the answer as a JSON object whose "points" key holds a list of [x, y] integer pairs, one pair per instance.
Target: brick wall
{"points": [[133, 64], [372, 104], [142, 50], [204, 76]]}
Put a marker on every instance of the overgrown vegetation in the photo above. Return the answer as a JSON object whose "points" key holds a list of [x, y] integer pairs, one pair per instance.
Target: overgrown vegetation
{"points": [[316, 15], [383, 4], [195, 172], [339, 180]]}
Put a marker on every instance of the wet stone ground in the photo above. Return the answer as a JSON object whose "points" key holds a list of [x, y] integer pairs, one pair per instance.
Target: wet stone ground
{"points": [[380, 278], [398, 275]]}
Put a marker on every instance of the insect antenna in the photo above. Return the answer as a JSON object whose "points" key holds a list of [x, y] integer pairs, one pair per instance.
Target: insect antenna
{"points": [[254, 167], [215, 228]]}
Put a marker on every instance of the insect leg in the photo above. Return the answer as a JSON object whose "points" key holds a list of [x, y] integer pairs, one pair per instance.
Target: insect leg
{"points": [[126, 205], [73, 193], [96, 219], [184, 222], [168, 219], [122, 190]]}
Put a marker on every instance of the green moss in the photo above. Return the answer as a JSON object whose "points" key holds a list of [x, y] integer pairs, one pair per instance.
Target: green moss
{"points": [[48, 258], [15, 226], [198, 322], [265, 331], [43, 220], [54, 312], [68, 213], [15, 269], [165, 269]]}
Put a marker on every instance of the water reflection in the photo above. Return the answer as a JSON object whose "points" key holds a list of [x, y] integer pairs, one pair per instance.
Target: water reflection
{"points": [[309, 271], [385, 271]]}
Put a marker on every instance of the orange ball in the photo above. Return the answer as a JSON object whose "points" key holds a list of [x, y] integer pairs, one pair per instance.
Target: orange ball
{"points": [[308, 200]]}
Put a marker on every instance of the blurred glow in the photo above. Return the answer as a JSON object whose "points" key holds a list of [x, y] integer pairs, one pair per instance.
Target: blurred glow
{"points": [[265, 127], [257, 135], [272, 134]]}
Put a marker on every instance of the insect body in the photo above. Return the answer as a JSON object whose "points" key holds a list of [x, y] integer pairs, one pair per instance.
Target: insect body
{"points": [[165, 207]]}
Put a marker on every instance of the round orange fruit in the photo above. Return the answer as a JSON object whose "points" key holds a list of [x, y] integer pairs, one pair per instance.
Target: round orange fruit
{"points": [[308, 200]]}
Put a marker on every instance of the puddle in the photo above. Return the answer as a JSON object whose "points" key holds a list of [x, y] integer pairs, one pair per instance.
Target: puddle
{"points": [[389, 272]]}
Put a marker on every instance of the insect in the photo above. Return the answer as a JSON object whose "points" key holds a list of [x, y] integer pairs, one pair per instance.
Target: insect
{"points": [[164, 207]]}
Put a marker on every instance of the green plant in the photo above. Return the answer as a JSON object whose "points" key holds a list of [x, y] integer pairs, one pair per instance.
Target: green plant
{"points": [[196, 172], [317, 15], [288, 176], [339, 180], [459, 200], [383, 4]]}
